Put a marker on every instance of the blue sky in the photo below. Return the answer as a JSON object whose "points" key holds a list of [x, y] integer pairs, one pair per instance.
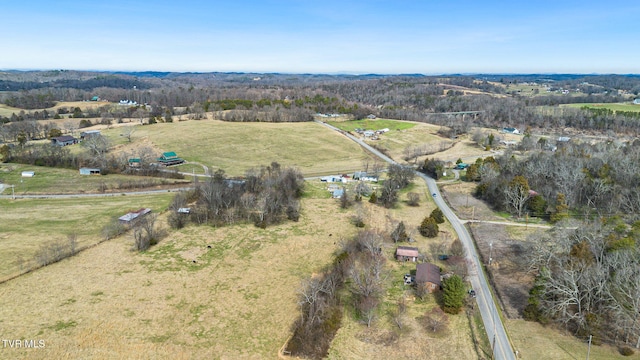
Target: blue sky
{"points": [[323, 36]]}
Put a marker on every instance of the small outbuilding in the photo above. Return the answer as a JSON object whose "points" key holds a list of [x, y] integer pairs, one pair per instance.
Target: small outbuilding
{"points": [[64, 140], [135, 162], [89, 133], [90, 171], [407, 253], [428, 275], [133, 216], [28, 173]]}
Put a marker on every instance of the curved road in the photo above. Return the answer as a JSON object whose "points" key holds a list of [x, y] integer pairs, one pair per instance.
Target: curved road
{"points": [[486, 304]]}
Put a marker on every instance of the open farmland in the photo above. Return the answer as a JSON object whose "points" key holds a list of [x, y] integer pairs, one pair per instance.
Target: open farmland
{"points": [[8, 110], [206, 292], [401, 135], [27, 224], [236, 147], [237, 300], [67, 181], [612, 107]]}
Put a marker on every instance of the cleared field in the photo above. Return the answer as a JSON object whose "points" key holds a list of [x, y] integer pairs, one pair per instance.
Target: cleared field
{"points": [[534, 341], [372, 124], [236, 147], [613, 107], [238, 300], [26, 224], [403, 135], [203, 293], [66, 181], [8, 110]]}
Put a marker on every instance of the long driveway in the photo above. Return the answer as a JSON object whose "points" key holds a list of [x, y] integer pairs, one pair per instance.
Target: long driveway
{"points": [[486, 303]]}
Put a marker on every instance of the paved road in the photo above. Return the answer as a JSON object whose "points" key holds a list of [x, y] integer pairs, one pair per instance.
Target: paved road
{"points": [[486, 304]]}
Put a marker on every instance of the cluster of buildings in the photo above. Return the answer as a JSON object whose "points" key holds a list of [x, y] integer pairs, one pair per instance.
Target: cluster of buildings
{"points": [[371, 134], [337, 191], [65, 140], [427, 275]]}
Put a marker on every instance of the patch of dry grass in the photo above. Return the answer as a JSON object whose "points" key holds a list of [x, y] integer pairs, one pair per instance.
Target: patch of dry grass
{"points": [[534, 341], [238, 300], [27, 224]]}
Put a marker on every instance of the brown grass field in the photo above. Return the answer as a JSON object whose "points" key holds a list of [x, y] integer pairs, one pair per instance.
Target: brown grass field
{"points": [[8, 110], [237, 300], [26, 224]]}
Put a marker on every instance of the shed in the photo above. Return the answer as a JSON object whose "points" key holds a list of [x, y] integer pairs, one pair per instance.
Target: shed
{"points": [[134, 215], [407, 253], [135, 162], [64, 140], [428, 275], [637, 101], [28, 173], [89, 133], [89, 171], [95, 98], [183, 210]]}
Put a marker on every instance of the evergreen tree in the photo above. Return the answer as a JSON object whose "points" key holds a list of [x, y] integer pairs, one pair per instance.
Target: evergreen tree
{"points": [[453, 294], [437, 215], [428, 227]]}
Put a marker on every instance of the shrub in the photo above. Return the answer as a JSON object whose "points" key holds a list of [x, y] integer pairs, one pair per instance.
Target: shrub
{"points": [[626, 351]]}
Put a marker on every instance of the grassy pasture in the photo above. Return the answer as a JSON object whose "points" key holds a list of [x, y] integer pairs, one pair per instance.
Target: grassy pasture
{"points": [[236, 147], [372, 124], [26, 224], [237, 301], [613, 107], [65, 181], [402, 134], [203, 292], [534, 341], [8, 110]]}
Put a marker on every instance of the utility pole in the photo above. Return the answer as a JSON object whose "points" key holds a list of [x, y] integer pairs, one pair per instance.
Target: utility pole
{"points": [[589, 348]]}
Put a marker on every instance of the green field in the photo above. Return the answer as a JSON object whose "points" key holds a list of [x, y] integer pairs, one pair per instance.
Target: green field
{"points": [[237, 147], [65, 181], [372, 124], [613, 107]]}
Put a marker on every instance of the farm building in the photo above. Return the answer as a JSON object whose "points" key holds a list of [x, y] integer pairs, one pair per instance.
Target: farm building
{"points": [[407, 253], [359, 175], [89, 133], [134, 162], [28, 174], [637, 101], [64, 140], [132, 216], [89, 171], [510, 130], [95, 98], [170, 158], [428, 275]]}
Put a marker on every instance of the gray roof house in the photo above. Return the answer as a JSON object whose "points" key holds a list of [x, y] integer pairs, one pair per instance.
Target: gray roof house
{"points": [[64, 140]]}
